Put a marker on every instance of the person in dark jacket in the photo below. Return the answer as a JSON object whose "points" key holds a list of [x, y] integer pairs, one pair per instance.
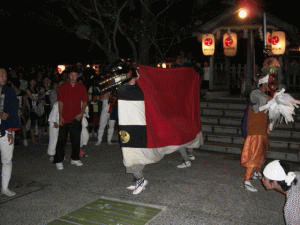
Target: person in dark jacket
{"points": [[9, 122]]}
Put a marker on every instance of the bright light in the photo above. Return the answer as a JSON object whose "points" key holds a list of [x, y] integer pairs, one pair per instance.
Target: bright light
{"points": [[61, 68], [243, 13]]}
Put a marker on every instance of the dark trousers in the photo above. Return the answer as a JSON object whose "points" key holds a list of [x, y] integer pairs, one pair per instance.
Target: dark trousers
{"points": [[74, 128]]}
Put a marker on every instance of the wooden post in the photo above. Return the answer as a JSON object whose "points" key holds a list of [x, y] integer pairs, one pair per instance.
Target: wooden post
{"points": [[250, 71], [211, 77]]}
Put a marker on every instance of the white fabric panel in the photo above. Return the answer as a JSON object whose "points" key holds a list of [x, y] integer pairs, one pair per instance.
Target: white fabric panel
{"points": [[143, 156], [131, 112]]}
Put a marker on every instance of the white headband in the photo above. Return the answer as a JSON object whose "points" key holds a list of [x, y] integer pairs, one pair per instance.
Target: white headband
{"points": [[263, 80], [274, 171]]}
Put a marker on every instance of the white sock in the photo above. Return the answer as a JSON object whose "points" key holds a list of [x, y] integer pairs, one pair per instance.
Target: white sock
{"points": [[248, 182]]}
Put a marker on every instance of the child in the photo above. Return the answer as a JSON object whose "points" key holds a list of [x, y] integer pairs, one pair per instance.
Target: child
{"points": [[53, 130], [84, 133]]}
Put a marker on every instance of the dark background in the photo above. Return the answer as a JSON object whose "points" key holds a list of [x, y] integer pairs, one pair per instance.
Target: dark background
{"points": [[26, 39]]}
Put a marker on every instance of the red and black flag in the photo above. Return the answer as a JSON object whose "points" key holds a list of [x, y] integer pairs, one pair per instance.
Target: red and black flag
{"points": [[160, 114]]}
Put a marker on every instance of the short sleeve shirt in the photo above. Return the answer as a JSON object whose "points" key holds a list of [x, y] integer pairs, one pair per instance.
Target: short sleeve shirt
{"points": [[72, 97], [258, 98]]}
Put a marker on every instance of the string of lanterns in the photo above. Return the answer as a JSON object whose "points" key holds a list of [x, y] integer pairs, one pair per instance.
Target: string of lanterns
{"points": [[276, 39]]}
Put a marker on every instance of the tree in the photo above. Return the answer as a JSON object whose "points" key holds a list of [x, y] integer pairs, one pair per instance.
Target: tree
{"points": [[143, 30]]}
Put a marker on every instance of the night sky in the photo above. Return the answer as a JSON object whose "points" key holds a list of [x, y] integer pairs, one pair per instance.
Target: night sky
{"points": [[25, 39]]}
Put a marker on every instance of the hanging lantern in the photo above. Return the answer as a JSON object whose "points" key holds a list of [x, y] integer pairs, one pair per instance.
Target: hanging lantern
{"points": [[278, 42], [269, 38], [208, 44], [61, 68], [230, 44]]}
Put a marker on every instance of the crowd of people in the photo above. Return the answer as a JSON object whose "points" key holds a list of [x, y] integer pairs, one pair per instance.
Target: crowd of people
{"points": [[36, 88], [42, 102], [48, 105]]}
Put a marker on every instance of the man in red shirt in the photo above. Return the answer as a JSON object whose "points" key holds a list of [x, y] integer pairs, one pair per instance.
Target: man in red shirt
{"points": [[72, 101]]}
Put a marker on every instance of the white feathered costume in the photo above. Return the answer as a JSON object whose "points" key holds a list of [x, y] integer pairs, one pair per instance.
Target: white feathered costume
{"points": [[281, 107]]}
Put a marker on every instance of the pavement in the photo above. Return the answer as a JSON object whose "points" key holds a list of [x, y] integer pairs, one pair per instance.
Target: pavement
{"points": [[207, 193]]}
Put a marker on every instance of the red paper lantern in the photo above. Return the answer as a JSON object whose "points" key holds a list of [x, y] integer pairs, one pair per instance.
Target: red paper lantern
{"points": [[278, 42], [269, 38], [230, 44], [208, 44]]}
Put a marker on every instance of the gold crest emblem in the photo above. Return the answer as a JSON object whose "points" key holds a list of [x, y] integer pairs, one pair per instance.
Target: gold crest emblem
{"points": [[124, 136]]}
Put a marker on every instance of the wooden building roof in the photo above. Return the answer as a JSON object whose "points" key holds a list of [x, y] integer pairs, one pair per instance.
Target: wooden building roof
{"points": [[229, 20]]}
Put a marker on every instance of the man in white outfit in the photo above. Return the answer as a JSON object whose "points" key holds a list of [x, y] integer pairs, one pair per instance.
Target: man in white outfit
{"points": [[9, 122], [104, 120]]}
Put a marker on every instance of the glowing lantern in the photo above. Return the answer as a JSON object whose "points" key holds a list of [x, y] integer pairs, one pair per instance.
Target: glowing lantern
{"points": [[269, 38], [208, 44], [278, 42], [230, 44], [61, 68]]}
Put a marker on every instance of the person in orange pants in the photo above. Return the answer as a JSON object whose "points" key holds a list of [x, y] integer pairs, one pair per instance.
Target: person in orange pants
{"points": [[257, 139]]}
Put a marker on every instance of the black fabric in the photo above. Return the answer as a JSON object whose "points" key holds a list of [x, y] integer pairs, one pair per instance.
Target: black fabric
{"points": [[137, 137], [130, 93]]}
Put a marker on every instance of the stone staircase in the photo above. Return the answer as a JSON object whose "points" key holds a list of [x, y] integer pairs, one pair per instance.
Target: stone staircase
{"points": [[221, 121]]}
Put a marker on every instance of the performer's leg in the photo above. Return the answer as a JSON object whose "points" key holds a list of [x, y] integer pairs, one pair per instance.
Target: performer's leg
{"points": [[110, 131], [190, 153], [6, 159], [140, 184], [186, 161], [247, 179], [137, 171]]}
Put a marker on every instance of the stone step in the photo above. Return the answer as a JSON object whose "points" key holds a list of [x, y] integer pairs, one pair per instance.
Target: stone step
{"points": [[223, 108], [214, 128], [221, 121], [273, 153], [284, 132], [235, 121], [287, 143], [223, 105], [222, 112]]}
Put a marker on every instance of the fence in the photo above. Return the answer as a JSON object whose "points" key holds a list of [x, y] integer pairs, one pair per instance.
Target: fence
{"points": [[232, 77], [229, 78]]}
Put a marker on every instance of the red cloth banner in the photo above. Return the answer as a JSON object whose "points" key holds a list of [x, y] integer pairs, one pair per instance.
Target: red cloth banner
{"points": [[172, 105]]}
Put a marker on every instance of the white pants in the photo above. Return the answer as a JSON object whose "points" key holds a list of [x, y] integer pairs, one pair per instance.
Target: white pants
{"points": [[104, 117], [53, 136], [6, 160], [110, 130]]}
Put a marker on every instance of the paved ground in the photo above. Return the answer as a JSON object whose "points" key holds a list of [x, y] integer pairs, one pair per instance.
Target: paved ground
{"points": [[207, 193]]}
